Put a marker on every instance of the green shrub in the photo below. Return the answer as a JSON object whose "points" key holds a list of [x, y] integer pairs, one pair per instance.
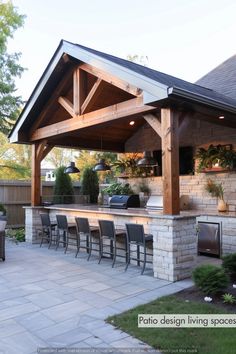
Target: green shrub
{"points": [[210, 279], [90, 185], [118, 189], [63, 189], [18, 235], [228, 298], [2, 209], [229, 264]]}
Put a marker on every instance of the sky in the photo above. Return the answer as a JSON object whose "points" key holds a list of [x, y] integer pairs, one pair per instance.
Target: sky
{"points": [[183, 38]]}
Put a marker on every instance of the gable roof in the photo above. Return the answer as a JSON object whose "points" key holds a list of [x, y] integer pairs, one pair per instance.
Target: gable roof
{"points": [[222, 78], [165, 79], [156, 85]]}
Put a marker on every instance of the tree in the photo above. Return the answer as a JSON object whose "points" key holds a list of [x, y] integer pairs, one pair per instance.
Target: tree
{"points": [[90, 158], [138, 59], [60, 157], [10, 104], [90, 184], [63, 189], [15, 160]]}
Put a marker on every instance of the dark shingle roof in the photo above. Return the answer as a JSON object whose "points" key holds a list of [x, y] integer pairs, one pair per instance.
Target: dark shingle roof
{"points": [[222, 79], [165, 79]]}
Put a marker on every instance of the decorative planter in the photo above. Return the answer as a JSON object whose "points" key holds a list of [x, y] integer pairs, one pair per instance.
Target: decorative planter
{"points": [[215, 169], [222, 206]]}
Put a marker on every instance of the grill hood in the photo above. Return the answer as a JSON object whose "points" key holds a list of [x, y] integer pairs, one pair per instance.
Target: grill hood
{"points": [[124, 201]]}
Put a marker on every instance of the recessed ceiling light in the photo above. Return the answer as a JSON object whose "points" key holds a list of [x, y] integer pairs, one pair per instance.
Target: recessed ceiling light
{"points": [[132, 122], [221, 117]]}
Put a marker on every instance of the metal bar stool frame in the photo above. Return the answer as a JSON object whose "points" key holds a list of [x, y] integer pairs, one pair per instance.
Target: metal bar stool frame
{"points": [[48, 229], [108, 232], [136, 236], [83, 229], [64, 232]]}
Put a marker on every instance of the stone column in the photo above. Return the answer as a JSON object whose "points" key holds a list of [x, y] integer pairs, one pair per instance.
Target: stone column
{"points": [[33, 223], [174, 247]]}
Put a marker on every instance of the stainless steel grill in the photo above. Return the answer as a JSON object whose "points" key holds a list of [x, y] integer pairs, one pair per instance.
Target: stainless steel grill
{"points": [[124, 201], [155, 202]]}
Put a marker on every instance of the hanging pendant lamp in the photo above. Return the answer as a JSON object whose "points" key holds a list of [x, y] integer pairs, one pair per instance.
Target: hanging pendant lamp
{"points": [[71, 168], [101, 165], [147, 160]]}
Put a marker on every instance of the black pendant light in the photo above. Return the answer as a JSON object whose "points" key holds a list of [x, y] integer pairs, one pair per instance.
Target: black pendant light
{"points": [[71, 168], [101, 165], [147, 160]]}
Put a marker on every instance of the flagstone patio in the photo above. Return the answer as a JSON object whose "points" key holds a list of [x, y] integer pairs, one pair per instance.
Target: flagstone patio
{"points": [[50, 301]]}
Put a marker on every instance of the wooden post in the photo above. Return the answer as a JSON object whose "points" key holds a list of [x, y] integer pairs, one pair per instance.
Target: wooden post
{"points": [[79, 90], [170, 161], [39, 152], [36, 176]]}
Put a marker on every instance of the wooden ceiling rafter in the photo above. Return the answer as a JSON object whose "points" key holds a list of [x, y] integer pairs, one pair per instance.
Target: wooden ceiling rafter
{"points": [[124, 109], [51, 102], [123, 85], [92, 96], [65, 103]]}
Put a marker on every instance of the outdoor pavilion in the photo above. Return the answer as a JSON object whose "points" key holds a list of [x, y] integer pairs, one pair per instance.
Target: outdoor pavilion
{"points": [[85, 95]]}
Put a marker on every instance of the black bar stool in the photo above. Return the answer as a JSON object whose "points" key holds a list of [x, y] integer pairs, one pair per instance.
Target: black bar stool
{"points": [[108, 232], [64, 232], [137, 237], [48, 229], [85, 236]]}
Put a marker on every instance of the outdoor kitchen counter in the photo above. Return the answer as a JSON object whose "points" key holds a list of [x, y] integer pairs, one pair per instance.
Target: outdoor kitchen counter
{"points": [[174, 236], [139, 211]]}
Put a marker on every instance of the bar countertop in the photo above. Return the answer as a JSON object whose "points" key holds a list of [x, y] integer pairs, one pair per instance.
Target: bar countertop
{"points": [[142, 212]]}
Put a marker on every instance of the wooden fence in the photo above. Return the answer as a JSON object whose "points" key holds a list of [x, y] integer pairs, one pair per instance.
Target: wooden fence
{"points": [[16, 194]]}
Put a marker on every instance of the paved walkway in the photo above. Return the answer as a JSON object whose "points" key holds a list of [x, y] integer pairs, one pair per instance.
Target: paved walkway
{"points": [[52, 300]]}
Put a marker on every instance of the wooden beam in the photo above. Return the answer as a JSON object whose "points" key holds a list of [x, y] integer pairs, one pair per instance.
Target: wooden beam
{"points": [[46, 151], [103, 115], [51, 101], [92, 96], [170, 161], [65, 58], [154, 122], [76, 91], [65, 103], [123, 85], [36, 175]]}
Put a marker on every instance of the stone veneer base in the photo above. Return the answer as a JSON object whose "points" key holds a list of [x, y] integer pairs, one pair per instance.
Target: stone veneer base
{"points": [[174, 237]]}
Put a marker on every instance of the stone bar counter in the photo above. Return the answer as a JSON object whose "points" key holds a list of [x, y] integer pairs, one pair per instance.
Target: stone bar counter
{"points": [[174, 237]]}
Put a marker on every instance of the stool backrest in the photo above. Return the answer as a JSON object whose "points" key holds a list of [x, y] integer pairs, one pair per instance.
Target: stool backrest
{"points": [[82, 225], [62, 222], [107, 228], [45, 219], [135, 233]]}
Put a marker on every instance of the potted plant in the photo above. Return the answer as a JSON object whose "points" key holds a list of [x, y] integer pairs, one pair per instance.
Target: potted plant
{"points": [[216, 190], [215, 158], [126, 165]]}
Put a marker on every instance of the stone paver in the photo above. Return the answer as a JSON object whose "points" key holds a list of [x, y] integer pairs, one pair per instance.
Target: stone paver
{"points": [[53, 300]]}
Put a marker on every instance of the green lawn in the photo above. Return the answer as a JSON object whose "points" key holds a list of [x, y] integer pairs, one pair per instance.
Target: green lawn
{"points": [[173, 340]]}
